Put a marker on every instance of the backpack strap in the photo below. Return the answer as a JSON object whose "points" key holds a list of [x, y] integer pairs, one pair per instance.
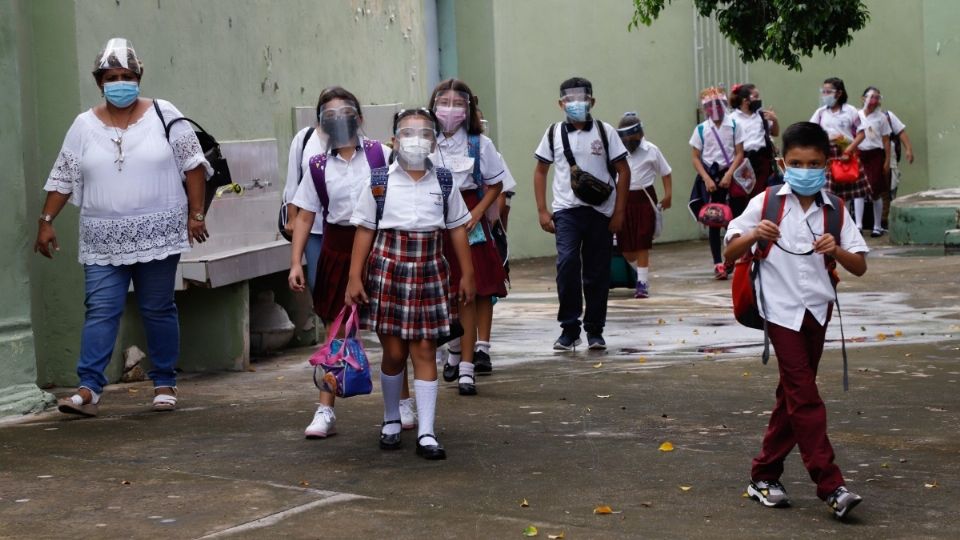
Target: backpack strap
{"points": [[567, 152], [303, 148], [703, 141], [606, 148], [373, 151], [473, 151], [833, 224], [550, 131], [773, 205], [378, 186], [318, 172], [445, 179]]}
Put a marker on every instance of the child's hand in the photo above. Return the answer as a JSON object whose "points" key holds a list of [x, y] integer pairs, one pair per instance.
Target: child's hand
{"points": [[475, 216], [468, 290], [295, 279], [886, 168], [665, 203], [725, 181], [767, 230], [546, 222], [826, 245], [711, 185], [355, 294], [616, 222]]}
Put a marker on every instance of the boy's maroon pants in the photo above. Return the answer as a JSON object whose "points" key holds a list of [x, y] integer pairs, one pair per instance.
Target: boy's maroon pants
{"points": [[799, 417]]}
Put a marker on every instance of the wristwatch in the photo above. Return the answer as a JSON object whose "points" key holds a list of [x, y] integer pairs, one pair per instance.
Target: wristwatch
{"points": [[46, 217], [197, 216]]}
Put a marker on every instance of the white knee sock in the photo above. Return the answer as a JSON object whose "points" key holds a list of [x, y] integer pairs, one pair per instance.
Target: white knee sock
{"points": [[878, 214], [466, 373], [482, 346], [858, 212], [391, 385], [643, 274], [454, 349], [426, 394]]}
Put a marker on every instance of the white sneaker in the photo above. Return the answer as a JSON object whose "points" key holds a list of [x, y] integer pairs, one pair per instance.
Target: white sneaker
{"points": [[324, 424], [408, 414]]}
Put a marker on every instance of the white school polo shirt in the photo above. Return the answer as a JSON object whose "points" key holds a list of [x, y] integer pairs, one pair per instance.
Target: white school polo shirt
{"points": [[896, 125], [410, 205], [793, 284], [709, 147], [875, 127], [646, 164], [752, 127], [842, 122], [344, 181], [589, 155], [453, 153]]}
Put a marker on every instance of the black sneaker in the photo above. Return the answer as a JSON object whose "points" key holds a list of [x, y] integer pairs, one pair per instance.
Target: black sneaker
{"points": [[842, 501], [482, 363], [770, 494], [451, 373], [566, 342], [595, 342]]}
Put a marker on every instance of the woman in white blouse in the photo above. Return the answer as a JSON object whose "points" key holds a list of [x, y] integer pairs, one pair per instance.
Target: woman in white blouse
{"points": [[118, 166]]}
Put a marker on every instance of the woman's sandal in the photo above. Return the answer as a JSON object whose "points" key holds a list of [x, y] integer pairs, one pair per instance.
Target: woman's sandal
{"points": [[75, 405], [165, 402]]}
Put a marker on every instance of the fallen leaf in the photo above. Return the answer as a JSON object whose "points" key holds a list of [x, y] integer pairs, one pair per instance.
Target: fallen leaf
{"points": [[603, 510], [661, 321], [524, 503], [898, 333], [531, 531], [746, 373], [745, 495], [304, 483], [907, 355], [642, 360], [603, 397], [666, 447], [598, 364], [884, 465], [686, 488], [933, 485], [881, 337], [559, 536], [125, 482], [132, 390], [280, 378]]}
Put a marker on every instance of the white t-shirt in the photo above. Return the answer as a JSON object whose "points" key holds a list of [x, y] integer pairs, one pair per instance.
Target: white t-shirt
{"points": [[410, 205], [842, 122], [752, 127], [344, 181], [711, 152], [589, 155], [139, 213], [793, 284], [646, 164], [453, 153], [298, 160], [875, 127]]}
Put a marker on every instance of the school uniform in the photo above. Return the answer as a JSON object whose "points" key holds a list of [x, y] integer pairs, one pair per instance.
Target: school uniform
{"points": [[842, 123], [875, 126], [406, 277], [471, 176], [755, 145], [718, 146], [345, 178], [297, 164], [639, 221], [797, 303], [896, 127], [583, 239]]}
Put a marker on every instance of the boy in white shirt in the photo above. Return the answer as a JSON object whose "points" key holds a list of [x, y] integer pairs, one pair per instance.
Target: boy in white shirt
{"points": [[796, 301]]}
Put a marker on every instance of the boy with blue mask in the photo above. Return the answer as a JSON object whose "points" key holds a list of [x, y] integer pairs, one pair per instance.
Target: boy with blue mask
{"points": [[591, 179], [798, 293]]}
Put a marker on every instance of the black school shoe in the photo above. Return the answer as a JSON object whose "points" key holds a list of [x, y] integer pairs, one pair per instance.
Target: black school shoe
{"points": [[468, 389], [482, 363], [389, 442], [430, 451], [451, 373]]}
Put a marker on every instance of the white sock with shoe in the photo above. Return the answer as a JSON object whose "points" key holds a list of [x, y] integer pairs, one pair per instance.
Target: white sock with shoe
{"points": [[466, 373], [391, 385], [878, 215], [426, 394], [643, 274]]}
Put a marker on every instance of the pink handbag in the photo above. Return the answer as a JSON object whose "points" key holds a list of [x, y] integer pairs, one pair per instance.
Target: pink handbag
{"points": [[715, 215], [343, 362]]}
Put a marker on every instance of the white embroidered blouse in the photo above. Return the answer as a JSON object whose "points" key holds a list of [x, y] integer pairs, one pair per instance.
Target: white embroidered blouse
{"points": [[139, 213]]}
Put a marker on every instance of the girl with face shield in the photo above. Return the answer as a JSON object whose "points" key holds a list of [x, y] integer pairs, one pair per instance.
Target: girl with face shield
{"points": [[399, 276], [759, 126], [873, 140]]}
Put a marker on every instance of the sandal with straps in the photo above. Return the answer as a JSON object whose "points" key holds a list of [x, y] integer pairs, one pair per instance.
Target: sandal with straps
{"points": [[467, 389], [430, 451], [389, 441], [75, 404], [165, 402]]}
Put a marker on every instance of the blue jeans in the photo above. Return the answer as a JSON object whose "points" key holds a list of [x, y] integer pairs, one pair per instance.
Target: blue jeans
{"points": [[106, 294], [584, 246], [312, 253]]}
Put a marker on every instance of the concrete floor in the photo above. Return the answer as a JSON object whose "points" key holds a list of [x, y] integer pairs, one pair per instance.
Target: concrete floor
{"points": [[565, 432]]}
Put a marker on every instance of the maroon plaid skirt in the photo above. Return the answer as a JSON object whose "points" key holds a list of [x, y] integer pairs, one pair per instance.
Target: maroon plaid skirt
{"points": [[488, 273], [333, 271], [407, 281], [639, 221], [872, 163]]}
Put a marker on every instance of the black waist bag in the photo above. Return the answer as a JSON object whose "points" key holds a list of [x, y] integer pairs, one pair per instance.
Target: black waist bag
{"points": [[587, 187]]}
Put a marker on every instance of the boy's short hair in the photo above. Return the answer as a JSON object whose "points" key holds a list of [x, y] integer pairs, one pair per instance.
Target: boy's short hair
{"points": [[806, 135], [576, 82]]}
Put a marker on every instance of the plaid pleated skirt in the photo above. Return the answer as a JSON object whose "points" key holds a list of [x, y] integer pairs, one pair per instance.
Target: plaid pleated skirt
{"points": [[333, 271], [407, 281], [848, 190]]}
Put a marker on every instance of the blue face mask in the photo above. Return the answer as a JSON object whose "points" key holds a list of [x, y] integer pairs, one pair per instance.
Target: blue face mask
{"points": [[828, 100], [805, 181], [121, 93], [577, 110]]}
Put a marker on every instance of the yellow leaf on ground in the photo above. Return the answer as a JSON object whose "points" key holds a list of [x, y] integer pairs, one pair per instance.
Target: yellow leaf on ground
{"points": [[686, 488], [745, 495], [661, 321], [531, 531], [304, 483], [746, 373], [642, 359], [933, 485], [598, 364], [559, 536], [524, 503], [603, 510], [898, 333], [881, 337], [666, 447]]}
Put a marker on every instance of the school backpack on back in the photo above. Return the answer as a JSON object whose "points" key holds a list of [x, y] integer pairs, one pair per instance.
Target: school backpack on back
{"points": [[282, 216], [378, 186], [372, 151]]}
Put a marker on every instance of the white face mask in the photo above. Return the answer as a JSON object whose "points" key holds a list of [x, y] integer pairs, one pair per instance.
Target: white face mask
{"points": [[413, 151]]}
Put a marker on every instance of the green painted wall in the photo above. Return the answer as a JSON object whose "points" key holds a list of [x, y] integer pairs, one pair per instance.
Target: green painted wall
{"points": [[941, 56], [237, 66]]}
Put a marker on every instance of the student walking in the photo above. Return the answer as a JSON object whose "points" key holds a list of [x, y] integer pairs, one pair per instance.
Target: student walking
{"points": [[873, 140], [759, 126]]}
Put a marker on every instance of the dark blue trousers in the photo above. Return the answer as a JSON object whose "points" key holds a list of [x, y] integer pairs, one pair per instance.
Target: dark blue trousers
{"points": [[584, 245]]}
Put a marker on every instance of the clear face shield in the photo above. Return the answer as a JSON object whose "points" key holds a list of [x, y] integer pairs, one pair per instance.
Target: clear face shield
{"points": [[872, 100], [339, 122], [631, 135], [118, 53], [714, 107], [415, 140], [451, 108], [576, 103]]}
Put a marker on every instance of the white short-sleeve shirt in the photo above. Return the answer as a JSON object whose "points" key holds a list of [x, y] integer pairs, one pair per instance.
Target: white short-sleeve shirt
{"points": [[298, 161], [729, 134], [875, 127], [646, 164], [410, 205], [793, 284], [453, 153], [896, 125], [588, 154], [841, 122], [751, 125], [344, 181]]}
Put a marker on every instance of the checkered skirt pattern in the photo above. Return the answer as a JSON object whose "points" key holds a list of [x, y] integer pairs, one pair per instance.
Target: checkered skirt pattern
{"points": [[407, 282], [850, 190]]}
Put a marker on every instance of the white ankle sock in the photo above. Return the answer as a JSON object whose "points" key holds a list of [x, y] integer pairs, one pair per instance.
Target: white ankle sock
{"points": [[426, 394], [483, 346], [466, 373], [454, 349], [878, 215], [643, 274], [858, 212], [391, 385]]}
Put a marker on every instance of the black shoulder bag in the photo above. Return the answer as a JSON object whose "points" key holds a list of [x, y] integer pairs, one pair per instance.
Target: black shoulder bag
{"points": [[587, 187]]}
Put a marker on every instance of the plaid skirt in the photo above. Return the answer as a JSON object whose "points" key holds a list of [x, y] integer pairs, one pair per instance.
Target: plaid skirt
{"points": [[407, 281], [333, 271], [851, 190]]}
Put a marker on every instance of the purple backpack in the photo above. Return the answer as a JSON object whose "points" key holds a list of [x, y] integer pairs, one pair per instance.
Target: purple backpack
{"points": [[318, 165]]}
